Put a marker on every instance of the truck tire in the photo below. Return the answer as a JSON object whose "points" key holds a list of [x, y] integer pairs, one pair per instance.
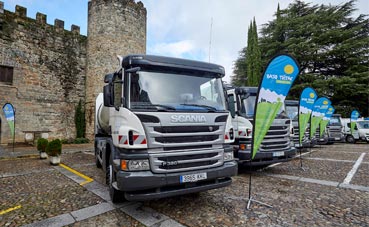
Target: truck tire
{"points": [[115, 195], [350, 139], [97, 162]]}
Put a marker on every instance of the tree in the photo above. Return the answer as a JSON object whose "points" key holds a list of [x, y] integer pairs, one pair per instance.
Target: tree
{"points": [[80, 122], [331, 47], [247, 69]]}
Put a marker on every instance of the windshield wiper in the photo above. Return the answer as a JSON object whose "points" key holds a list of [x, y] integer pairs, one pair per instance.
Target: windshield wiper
{"points": [[156, 106], [210, 108]]}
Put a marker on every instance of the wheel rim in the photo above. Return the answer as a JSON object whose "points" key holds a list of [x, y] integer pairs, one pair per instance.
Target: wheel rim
{"points": [[350, 139]]}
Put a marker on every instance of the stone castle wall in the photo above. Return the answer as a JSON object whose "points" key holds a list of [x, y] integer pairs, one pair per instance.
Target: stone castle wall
{"points": [[110, 34], [55, 68], [49, 73]]}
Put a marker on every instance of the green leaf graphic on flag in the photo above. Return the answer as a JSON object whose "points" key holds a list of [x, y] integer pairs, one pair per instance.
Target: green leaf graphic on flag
{"points": [[265, 111], [315, 120], [323, 124], [304, 120]]}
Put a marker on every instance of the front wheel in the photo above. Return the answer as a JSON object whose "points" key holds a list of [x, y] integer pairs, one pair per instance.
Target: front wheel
{"points": [[97, 162], [115, 195], [350, 139]]}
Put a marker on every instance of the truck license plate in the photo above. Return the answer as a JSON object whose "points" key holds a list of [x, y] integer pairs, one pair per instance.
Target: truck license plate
{"points": [[193, 177], [278, 154]]}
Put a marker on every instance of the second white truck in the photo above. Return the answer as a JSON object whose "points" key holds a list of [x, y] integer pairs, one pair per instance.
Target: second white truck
{"points": [[277, 145]]}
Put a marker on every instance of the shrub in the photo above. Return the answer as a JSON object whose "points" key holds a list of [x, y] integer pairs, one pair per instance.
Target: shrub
{"points": [[81, 140], [67, 141], [54, 148], [42, 144]]}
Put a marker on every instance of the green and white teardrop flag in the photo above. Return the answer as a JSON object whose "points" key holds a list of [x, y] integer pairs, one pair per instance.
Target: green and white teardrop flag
{"points": [[9, 113], [354, 116], [307, 100], [325, 120], [319, 109], [277, 80]]}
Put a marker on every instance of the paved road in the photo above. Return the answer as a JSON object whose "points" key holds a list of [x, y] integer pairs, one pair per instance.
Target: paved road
{"points": [[332, 190]]}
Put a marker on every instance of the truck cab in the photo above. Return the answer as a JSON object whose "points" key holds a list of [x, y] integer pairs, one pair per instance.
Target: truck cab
{"points": [[350, 137], [162, 128], [363, 129], [277, 145], [334, 129]]}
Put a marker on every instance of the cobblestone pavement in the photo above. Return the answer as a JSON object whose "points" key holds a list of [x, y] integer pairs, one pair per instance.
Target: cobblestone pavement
{"points": [[314, 197], [41, 191]]}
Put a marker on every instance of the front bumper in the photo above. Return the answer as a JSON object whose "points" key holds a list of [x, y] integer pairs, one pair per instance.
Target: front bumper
{"points": [[266, 158], [145, 185]]}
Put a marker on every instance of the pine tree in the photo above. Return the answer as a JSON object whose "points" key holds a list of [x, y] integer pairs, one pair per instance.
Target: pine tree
{"points": [[331, 47]]}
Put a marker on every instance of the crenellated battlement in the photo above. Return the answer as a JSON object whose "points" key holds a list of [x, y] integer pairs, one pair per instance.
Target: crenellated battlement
{"points": [[20, 14], [139, 6]]}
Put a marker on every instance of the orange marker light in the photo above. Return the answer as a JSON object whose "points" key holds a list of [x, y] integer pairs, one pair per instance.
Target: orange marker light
{"points": [[242, 146], [123, 164]]}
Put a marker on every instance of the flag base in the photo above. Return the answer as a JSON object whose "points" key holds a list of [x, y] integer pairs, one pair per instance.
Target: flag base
{"points": [[256, 201]]}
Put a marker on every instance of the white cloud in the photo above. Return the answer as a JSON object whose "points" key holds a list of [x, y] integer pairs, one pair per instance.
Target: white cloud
{"points": [[171, 22], [174, 49]]}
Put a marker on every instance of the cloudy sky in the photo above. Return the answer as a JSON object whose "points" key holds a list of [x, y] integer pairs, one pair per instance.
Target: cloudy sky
{"points": [[181, 28]]}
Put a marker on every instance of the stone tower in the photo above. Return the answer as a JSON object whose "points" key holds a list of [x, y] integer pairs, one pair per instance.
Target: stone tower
{"points": [[115, 27]]}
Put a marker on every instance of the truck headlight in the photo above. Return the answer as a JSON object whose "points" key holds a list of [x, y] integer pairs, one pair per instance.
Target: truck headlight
{"points": [[228, 156], [135, 165]]}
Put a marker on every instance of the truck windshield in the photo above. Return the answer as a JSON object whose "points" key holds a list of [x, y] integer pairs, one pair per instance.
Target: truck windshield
{"points": [[363, 124], [335, 121], [175, 92], [248, 106], [292, 112]]}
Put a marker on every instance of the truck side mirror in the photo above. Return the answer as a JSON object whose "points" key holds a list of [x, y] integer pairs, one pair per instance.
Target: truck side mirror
{"points": [[108, 78], [108, 98]]}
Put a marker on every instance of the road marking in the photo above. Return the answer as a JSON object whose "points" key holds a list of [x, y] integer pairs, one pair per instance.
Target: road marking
{"points": [[296, 156], [9, 210], [88, 179], [321, 182], [352, 172], [329, 159]]}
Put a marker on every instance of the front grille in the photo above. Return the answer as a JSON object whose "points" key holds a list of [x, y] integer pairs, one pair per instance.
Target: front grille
{"points": [[188, 165], [188, 157], [185, 160], [178, 137], [185, 129], [186, 139], [200, 147], [276, 139]]}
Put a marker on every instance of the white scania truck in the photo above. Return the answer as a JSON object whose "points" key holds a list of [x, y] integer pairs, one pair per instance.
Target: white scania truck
{"points": [[162, 128], [277, 145]]}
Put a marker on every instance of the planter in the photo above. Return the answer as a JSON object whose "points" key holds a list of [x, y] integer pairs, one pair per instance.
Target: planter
{"points": [[54, 160], [43, 155]]}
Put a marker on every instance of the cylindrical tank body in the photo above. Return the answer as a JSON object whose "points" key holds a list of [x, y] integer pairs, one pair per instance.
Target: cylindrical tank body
{"points": [[115, 27], [103, 118]]}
